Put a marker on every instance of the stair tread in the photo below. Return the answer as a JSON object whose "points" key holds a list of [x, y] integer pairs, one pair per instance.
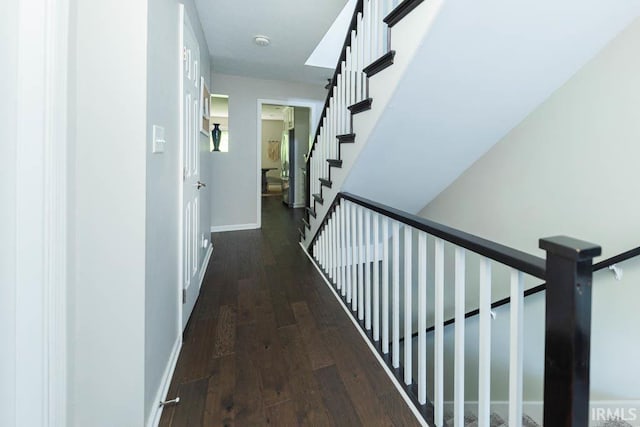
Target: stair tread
{"points": [[306, 223], [361, 106], [311, 211], [318, 198], [326, 182], [380, 64], [336, 163], [403, 9], [346, 138]]}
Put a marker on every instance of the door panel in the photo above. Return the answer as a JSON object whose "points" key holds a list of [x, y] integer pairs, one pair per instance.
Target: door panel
{"points": [[191, 249]]}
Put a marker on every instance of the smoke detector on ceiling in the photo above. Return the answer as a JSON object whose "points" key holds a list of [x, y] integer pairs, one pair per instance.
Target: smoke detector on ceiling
{"points": [[261, 41]]}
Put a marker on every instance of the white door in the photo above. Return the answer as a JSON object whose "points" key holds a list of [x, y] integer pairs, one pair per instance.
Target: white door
{"points": [[190, 134]]}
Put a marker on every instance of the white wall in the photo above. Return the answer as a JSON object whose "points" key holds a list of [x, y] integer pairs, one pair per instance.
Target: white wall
{"points": [[480, 69], [8, 117], [163, 177], [108, 101], [235, 175], [571, 168]]}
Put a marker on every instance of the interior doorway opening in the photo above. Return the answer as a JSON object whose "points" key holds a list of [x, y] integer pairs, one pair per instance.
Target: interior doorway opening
{"points": [[285, 135]]}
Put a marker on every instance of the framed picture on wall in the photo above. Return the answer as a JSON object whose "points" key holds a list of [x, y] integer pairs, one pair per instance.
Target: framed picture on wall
{"points": [[204, 107]]}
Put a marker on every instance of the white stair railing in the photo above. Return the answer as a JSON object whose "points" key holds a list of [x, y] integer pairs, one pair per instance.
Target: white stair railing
{"points": [[379, 261]]}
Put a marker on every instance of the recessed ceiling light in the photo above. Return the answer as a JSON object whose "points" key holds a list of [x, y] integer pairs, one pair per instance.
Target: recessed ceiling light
{"points": [[261, 40]]}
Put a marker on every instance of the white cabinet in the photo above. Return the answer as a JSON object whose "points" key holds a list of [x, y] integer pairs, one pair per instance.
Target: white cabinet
{"points": [[288, 115]]}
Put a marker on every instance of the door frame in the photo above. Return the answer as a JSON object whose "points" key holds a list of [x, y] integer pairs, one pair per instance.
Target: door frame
{"points": [[41, 207], [293, 102]]}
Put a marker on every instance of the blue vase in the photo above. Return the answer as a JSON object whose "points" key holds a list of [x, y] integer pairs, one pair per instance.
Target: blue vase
{"points": [[216, 134]]}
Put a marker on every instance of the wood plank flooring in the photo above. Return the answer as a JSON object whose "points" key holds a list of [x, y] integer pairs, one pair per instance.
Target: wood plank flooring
{"points": [[268, 343]]}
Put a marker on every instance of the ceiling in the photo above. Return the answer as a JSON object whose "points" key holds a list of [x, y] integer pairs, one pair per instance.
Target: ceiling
{"points": [[294, 27], [272, 112]]}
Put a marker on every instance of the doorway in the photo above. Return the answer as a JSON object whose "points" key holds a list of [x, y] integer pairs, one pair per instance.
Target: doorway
{"points": [[284, 138]]}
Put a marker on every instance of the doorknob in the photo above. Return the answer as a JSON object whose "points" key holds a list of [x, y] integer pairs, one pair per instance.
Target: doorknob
{"points": [[199, 185]]}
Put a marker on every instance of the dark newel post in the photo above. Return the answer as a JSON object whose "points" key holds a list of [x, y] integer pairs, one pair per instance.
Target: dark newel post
{"points": [[568, 330]]}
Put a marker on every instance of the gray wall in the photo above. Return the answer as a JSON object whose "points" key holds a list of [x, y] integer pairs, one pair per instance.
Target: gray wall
{"points": [[235, 175], [571, 168], [8, 115], [163, 173]]}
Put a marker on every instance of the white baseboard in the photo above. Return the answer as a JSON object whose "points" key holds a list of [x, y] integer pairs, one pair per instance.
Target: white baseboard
{"points": [[156, 410], [205, 263], [382, 363], [233, 227]]}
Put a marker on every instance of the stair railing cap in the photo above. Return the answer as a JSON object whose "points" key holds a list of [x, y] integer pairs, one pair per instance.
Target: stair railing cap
{"points": [[568, 247]]}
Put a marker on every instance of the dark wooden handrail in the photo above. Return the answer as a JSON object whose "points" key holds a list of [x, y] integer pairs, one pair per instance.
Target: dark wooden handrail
{"points": [[522, 261], [537, 289], [519, 260]]}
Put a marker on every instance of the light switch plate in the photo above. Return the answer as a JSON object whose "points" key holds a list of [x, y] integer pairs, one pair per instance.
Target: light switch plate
{"points": [[158, 140]]}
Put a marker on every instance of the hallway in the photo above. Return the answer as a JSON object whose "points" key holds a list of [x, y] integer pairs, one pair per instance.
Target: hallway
{"points": [[268, 343]]}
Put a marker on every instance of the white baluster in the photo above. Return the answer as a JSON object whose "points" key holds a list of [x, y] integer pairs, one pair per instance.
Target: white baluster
{"points": [[339, 102], [395, 283], [516, 348], [350, 90], [408, 307], [367, 270], [332, 140], [328, 246], [343, 251], [347, 252], [336, 245], [386, 32], [361, 252], [325, 145], [484, 357], [354, 259], [330, 250], [330, 131], [332, 247], [342, 96], [368, 34], [360, 41], [385, 285], [458, 387], [325, 236], [324, 248], [375, 36], [354, 65], [422, 317], [320, 260], [376, 277], [438, 398], [325, 243]]}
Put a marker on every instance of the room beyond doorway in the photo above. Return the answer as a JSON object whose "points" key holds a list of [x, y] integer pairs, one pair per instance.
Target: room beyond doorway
{"points": [[284, 142]]}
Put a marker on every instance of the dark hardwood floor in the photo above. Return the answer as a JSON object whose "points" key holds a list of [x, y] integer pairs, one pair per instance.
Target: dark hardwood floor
{"points": [[268, 343]]}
